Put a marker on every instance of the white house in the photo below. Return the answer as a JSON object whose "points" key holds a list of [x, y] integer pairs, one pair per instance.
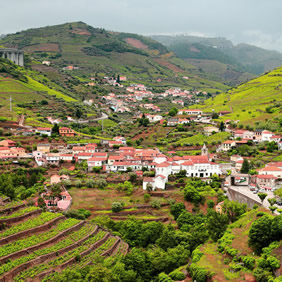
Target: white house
{"points": [[96, 161], [266, 136], [227, 145], [44, 130], [157, 182], [66, 157], [84, 156], [52, 158], [271, 170], [190, 112]]}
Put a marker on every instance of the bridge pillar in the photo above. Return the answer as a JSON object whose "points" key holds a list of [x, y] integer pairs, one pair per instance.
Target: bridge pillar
{"points": [[21, 59]]}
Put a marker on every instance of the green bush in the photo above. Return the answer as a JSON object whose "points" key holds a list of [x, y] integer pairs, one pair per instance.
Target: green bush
{"points": [[177, 275], [198, 273], [249, 262], [117, 206]]}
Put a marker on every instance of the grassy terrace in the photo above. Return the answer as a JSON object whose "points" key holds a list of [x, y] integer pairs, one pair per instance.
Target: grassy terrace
{"points": [[32, 272], [10, 205], [67, 241], [35, 239], [20, 213], [31, 223]]}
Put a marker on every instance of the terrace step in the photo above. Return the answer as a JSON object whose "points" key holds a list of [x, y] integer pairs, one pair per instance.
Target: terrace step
{"points": [[44, 258], [41, 245], [24, 233]]}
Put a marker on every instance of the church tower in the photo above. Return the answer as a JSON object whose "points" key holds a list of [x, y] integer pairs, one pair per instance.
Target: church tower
{"points": [[205, 151]]}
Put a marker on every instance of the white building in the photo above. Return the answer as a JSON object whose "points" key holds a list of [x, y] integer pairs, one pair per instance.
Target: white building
{"points": [[44, 130], [266, 136]]}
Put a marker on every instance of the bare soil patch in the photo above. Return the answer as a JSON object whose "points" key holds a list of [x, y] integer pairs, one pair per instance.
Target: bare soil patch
{"points": [[43, 47], [136, 43]]}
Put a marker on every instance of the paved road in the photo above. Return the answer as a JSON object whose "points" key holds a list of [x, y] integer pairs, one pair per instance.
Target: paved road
{"points": [[246, 191]]}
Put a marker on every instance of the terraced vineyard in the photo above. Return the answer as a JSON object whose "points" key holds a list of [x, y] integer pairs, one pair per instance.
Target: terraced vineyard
{"points": [[36, 245]]}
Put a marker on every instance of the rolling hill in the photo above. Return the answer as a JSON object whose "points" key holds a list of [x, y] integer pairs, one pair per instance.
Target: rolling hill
{"points": [[254, 102], [97, 52], [33, 95], [228, 62]]}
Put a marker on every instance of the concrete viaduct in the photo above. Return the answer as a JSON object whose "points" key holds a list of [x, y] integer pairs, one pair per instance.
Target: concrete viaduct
{"points": [[14, 55]]}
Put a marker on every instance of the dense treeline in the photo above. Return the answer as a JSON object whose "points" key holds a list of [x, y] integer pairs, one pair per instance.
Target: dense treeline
{"points": [[158, 250], [21, 183]]}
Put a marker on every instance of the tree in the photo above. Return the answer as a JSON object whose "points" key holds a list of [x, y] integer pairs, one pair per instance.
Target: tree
{"points": [[260, 233], [278, 192], [149, 187], [78, 113], [272, 201], [233, 209], [173, 112], [191, 194], [216, 224], [176, 209], [245, 166], [140, 262], [99, 273], [273, 208], [55, 129], [143, 121], [150, 232], [262, 196], [222, 126]]}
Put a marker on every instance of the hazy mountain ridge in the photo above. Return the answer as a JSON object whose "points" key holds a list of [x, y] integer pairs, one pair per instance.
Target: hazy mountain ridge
{"points": [[245, 60]]}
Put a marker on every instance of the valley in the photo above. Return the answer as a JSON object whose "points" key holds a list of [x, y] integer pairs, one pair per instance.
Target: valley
{"points": [[126, 158]]}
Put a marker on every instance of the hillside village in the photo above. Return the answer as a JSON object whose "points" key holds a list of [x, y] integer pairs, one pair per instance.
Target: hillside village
{"points": [[120, 161]]}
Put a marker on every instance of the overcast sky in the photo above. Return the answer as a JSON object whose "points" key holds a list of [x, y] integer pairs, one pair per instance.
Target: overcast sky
{"points": [[257, 22]]}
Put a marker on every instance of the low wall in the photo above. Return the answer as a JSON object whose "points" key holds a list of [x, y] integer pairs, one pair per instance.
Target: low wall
{"points": [[238, 196]]}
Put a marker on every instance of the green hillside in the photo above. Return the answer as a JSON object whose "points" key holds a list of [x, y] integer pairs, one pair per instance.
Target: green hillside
{"points": [[33, 95], [232, 258], [100, 53], [258, 100]]}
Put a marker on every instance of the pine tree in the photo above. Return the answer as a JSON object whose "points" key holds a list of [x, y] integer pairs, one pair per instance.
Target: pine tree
{"points": [[245, 167]]}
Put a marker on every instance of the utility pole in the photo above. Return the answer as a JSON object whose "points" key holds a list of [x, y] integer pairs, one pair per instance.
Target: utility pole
{"points": [[10, 103], [102, 125]]}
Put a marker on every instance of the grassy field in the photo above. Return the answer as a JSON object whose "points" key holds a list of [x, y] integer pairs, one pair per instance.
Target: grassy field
{"points": [[248, 102], [201, 139], [107, 123]]}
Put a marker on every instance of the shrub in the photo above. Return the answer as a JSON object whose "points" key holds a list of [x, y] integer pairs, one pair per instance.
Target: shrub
{"points": [[177, 275], [210, 204], [96, 169], [117, 206], [156, 204], [147, 198], [249, 262]]}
